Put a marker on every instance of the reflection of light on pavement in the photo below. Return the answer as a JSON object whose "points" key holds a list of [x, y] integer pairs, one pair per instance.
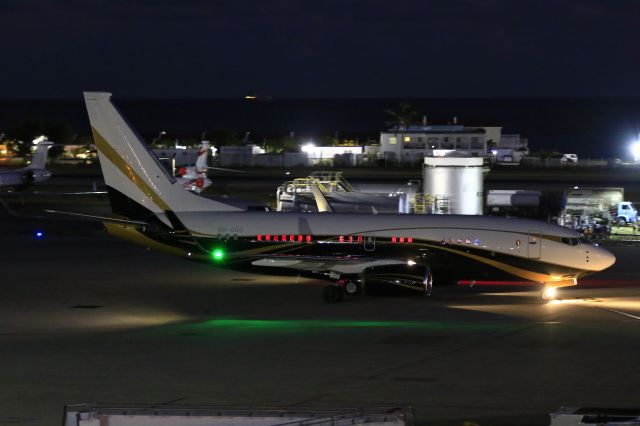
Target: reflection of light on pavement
{"points": [[78, 321], [137, 320], [566, 301]]}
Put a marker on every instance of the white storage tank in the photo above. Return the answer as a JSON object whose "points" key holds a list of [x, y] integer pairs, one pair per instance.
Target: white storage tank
{"points": [[457, 178]]}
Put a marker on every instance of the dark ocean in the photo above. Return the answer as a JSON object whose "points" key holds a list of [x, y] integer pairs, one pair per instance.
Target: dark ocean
{"points": [[596, 128]]}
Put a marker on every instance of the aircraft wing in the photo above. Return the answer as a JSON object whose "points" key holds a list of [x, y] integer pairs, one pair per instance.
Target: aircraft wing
{"points": [[342, 265]]}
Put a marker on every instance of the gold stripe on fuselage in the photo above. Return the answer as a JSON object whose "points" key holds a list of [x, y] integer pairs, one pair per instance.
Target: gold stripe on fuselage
{"points": [[131, 233], [513, 270]]}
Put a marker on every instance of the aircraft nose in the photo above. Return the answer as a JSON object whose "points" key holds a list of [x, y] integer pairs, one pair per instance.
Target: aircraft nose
{"points": [[602, 258]]}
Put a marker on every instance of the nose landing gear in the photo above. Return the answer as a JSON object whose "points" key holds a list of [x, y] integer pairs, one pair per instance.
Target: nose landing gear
{"points": [[547, 294]]}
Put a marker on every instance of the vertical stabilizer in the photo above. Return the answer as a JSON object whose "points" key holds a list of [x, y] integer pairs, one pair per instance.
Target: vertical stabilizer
{"points": [[132, 170], [203, 157], [39, 160]]}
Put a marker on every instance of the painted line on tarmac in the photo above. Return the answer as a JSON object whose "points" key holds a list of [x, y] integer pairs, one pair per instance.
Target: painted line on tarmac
{"points": [[620, 312]]}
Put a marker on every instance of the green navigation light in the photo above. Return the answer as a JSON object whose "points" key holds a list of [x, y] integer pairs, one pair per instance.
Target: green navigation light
{"points": [[217, 254]]}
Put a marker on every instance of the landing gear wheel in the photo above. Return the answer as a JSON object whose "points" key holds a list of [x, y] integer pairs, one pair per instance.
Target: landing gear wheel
{"points": [[428, 285], [547, 294], [352, 288], [332, 294]]}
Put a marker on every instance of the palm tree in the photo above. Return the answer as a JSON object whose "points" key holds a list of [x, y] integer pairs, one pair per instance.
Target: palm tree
{"points": [[404, 115]]}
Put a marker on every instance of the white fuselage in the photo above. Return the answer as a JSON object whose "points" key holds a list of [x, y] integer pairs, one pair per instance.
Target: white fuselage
{"points": [[524, 238]]}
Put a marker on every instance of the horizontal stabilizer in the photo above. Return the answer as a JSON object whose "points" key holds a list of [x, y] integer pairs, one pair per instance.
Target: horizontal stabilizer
{"points": [[100, 218]]}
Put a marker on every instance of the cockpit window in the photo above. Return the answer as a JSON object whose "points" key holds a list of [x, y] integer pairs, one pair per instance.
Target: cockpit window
{"points": [[574, 241]]}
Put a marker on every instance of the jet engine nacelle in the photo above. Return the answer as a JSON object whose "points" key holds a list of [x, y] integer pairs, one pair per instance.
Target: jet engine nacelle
{"points": [[412, 278]]}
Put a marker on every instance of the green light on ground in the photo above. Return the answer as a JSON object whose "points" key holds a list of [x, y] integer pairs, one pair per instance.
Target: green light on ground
{"points": [[240, 324], [217, 254]]}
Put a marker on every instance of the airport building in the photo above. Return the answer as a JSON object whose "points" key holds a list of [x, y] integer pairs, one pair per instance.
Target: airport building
{"points": [[411, 144]]}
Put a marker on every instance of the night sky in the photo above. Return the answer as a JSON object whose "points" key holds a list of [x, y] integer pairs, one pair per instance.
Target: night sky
{"points": [[320, 48]]}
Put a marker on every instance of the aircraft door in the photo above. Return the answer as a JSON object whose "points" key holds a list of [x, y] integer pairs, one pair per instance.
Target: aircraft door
{"points": [[534, 244], [369, 243]]}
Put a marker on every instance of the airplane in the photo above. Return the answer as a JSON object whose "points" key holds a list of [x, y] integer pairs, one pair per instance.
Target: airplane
{"points": [[33, 173], [194, 178], [351, 251]]}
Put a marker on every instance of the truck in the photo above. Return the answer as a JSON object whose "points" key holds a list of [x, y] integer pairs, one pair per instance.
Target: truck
{"points": [[594, 208], [625, 213]]}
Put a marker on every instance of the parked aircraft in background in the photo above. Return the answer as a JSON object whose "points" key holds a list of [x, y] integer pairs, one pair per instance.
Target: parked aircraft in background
{"points": [[194, 178], [353, 251], [33, 173]]}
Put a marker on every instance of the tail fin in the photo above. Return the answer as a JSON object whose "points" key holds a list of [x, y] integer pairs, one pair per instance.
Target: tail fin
{"points": [[39, 159], [203, 157], [136, 180], [321, 201]]}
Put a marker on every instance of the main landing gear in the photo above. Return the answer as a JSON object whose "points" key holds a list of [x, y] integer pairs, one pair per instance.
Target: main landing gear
{"points": [[334, 292]]}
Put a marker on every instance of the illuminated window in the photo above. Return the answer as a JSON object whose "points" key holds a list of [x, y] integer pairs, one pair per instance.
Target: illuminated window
{"points": [[407, 138], [308, 238], [360, 239], [284, 238], [468, 241], [292, 238], [401, 240], [393, 140], [259, 237], [300, 238], [459, 240], [351, 238], [268, 238], [275, 238], [341, 239], [393, 240], [409, 240]]}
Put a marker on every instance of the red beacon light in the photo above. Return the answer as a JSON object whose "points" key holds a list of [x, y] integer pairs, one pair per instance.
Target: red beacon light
{"points": [[182, 171]]}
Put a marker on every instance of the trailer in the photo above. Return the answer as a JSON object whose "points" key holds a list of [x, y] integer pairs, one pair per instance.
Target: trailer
{"points": [[516, 202], [576, 416], [89, 414]]}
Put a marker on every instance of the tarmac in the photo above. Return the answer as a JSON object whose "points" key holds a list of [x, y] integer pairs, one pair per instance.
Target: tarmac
{"points": [[88, 318]]}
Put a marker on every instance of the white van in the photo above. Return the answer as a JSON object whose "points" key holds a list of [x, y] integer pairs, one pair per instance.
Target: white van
{"points": [[569, 159]]}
